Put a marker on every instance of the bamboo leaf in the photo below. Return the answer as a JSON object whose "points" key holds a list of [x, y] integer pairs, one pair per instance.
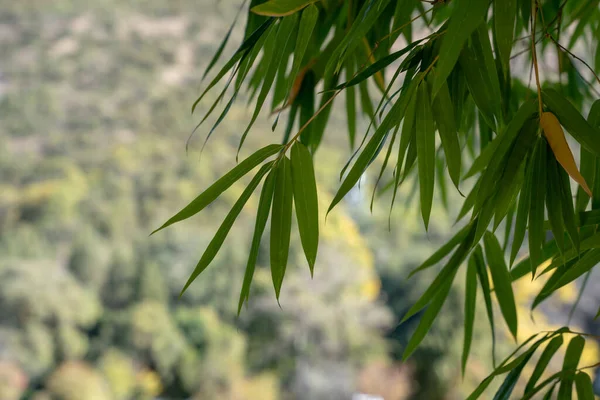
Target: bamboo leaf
{"points": [[511, 379], [425, 152], [556, 138], [553, 203], [306, 201], [568, 213], [477, 256], [536, 208], [505, 15], [470, 305], [584, 386], [217, 241], [581, 267], [281, 222], [466, 17], [502, 281], [572, 356], [215, 190], [262, 215], [573, 121], [280, 8], [522, 213], [551, 349]]}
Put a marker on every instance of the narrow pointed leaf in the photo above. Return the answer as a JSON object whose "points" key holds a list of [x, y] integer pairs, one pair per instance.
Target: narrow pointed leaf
{"points": [[215, 244], [572, 356], [511, 379], [505, 14], [522, 214], [477, 257], [551, 349], [215, 190], [281, 222], [280, 8], [262, 215], [536, 208], [306, 201], [470, 306], [553, 203], [425, 152]]}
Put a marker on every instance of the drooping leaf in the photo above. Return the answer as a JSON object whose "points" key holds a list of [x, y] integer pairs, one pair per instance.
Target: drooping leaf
{"points": [[306, 201], [536, 208], [553, 203], [217, 241], [425, 152], [502, 281], [465, 18], [584, 386], [477, 257], [551, 349], [505, 14], [511, 379], [222, 184], [281, 222], [262, 215], [522, 213], [470, 306], [581, 267], [572, 356], [280, 8], [556, 138]]}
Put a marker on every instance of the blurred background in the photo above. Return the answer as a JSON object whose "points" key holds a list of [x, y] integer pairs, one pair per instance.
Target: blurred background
{"points": [[94, 117]]}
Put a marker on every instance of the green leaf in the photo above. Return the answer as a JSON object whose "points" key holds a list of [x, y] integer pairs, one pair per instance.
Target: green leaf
{"points": [[573, 121], [470, 305], [443, 110], [465, 18], [217, 241], [351, 106], [505, 15], [536, 208], [280, 8], [522, 214], [215, 190], [572, 356], [362, 162], [551, 349], [502, 281], [444, 250], [584, 386], [281, 222], [425, 152], [568, 212], [262, 215], [581, 267], [274, 50], [553, 204], [511, 379], [428, 317], [477, 257], [306, 201]]}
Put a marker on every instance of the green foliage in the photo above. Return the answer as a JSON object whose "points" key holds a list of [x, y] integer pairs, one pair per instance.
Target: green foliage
{"points": [[459, 82]]}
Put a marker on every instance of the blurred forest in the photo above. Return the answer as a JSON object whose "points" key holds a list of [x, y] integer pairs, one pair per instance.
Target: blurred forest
{"points": [[94, 117]]}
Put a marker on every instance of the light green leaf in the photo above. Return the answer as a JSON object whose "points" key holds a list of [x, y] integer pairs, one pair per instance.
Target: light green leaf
{"points": [[551, 349], [217, 241], [502, 281], [572, 356], [443, 110], [215, 190], [465, 18], [280, 8], [281, 222], [262, 215], [505, 15], [584, 386], [306, 201], [425, 152], [470, 306], [573, 121]]}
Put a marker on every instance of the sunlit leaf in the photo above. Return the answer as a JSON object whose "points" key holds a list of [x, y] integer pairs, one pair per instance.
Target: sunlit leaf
{"points": [[217, 241]]}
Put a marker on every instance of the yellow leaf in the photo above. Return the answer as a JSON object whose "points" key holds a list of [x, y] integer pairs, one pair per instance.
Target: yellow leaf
{"points": [[556, 138]]}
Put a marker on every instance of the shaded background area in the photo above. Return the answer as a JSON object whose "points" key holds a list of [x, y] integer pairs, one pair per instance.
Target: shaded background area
{"points": [[94, 115]]}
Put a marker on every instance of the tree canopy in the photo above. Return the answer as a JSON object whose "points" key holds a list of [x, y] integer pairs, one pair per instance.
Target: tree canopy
{"points": [[499, 81]]}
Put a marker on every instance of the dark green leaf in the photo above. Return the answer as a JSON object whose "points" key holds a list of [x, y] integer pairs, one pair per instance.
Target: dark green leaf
{"points": [[572, 356], [262, 214], [536, 208], [215, 244], [511, 379], [502, 281], [553, 204], [505, 14], [522, 213], [280, 8], [425, 152], [551, 349], [470, 305], [477, 256], [215, 190], [584, 386], [566, 204], [306, 201], [465, 18], [281, 222], [581, 267]]}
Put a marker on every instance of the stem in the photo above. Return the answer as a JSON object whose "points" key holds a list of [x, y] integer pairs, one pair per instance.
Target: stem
{"points": [[534, 8]]}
